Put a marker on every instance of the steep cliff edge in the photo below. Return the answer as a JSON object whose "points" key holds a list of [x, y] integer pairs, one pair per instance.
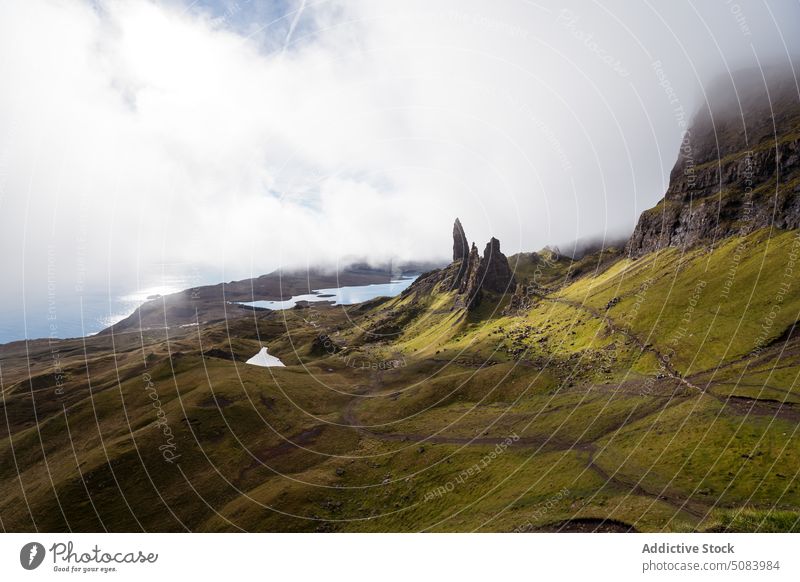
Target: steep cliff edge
{"points": [[738, 168]]}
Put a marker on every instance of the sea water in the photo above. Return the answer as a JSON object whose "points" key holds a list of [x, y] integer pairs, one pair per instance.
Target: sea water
{"points": [[340, 295]]}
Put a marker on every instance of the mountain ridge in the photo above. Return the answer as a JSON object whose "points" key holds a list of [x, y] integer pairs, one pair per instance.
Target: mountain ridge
{"points": [[738, 168]]}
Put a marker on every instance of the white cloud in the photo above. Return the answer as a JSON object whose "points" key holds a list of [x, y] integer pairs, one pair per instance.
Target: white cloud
{"points": [[139, 132]]}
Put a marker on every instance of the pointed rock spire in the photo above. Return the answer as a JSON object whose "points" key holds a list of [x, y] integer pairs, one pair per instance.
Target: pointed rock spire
{"points": [[460, 244], [473, 274], [497, 274]]}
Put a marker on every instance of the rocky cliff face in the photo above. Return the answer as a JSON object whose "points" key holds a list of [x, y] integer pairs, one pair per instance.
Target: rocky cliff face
{"points": [[470, 274], [479, 274], [738, 168], [461, 252], [468, 280], [460, 244], [497, 275]]}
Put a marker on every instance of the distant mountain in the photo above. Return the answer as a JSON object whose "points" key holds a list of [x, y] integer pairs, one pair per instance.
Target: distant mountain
{"points": [[211, 303]]}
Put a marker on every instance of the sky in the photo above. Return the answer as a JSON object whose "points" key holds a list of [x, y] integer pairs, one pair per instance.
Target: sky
{"points": [[144, 140]]}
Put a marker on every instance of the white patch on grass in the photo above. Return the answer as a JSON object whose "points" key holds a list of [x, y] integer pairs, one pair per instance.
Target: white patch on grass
{"points": [[264, 360]]}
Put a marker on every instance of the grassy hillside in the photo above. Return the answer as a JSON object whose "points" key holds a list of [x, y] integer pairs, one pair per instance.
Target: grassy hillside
{"points": [[651, 394]]}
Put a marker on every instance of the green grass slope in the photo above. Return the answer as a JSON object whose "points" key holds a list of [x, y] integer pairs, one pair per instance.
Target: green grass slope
{"points": [[656, 394]]}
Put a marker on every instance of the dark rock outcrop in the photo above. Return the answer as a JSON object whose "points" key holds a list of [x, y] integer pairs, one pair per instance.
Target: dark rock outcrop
{"points": [[476, 275], [469, 290], [470, 275], [460, 243], [521, 301], [497, 275], [738, 170], [726, 200], [461, 253]]}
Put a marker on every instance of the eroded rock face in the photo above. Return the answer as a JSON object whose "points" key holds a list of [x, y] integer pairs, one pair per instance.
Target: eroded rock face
{"points": [[734, 198], [728, 181], [470, 289], [497, 274], [476, 273], [470, 274], [460, 254], [460, 244], [521, 301]]}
